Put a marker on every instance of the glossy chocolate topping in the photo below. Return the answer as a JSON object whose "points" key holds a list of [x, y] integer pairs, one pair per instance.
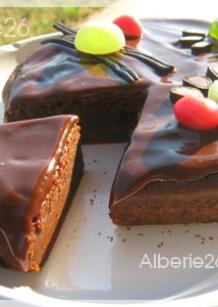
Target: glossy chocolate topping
{"points": [[57, 70], [30, 152], [160, 147]]}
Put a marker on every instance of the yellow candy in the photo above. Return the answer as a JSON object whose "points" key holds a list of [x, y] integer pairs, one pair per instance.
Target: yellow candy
{"points": [[98, 38]]}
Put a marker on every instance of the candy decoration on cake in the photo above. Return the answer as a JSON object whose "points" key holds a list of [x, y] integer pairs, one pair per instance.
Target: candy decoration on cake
{"points": [[130, 26], [200, 82], [99, 38], [196, 102], [213, 91], [200, 42], [105, 44], [212, 71], [213, 30], [197, 113], [178, 92]]}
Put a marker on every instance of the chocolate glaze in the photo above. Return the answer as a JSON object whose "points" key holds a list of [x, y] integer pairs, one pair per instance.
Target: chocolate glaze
{"points": [[30, 151], [57, 70]]}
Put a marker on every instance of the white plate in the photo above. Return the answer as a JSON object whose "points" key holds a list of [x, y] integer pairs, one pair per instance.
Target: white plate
{"points": [[95, 260]]}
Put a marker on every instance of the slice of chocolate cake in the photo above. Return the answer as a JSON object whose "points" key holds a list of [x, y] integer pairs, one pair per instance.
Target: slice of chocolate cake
{"points": [[38, 158], [106, 92], [56, 79], [169, 173]]}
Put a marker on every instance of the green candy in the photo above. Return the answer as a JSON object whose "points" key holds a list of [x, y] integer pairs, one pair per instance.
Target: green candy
{"points": [[213, 91], [213, 30], [98, 38]]}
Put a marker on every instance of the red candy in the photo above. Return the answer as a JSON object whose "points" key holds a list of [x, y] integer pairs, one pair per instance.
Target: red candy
{"points": [[197, 113], [130, 26]]}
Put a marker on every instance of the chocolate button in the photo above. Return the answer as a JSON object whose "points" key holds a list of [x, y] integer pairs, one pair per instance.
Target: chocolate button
{"points": [[188, 41], [212, 71], [202, 83], [178, 92], [193, 32], [202, 47]]}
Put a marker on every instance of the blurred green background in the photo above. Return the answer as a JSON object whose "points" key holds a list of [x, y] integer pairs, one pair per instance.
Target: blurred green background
{"points": [[20, 23]]}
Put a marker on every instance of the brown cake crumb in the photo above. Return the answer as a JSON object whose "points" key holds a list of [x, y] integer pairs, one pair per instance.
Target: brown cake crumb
{"points": [[201, 238], [111, 238], [160, 245]]}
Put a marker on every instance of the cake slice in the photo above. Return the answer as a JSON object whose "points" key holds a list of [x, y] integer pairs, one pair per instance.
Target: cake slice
{"points": [[57, 79], [169, 173], [38, 158]]}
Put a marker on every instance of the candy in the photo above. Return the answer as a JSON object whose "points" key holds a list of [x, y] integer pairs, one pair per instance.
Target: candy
{"points": [[212, 71], [98, 38], [197, 113], [213, 91], [202, 47], [188, 41], [193, 32], [200, 82], [178, 92], [130, 26], [213, 30]]}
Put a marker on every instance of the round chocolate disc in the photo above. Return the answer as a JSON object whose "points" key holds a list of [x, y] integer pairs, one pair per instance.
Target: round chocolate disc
{"points": [[193, 32], [202, 46], [212, 71], [200, 82], [178, 92], [188, 41]]}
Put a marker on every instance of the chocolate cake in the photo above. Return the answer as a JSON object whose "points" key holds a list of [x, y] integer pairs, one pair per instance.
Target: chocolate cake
{"points": [[57, 79], [38, 158], [163, 157]]}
